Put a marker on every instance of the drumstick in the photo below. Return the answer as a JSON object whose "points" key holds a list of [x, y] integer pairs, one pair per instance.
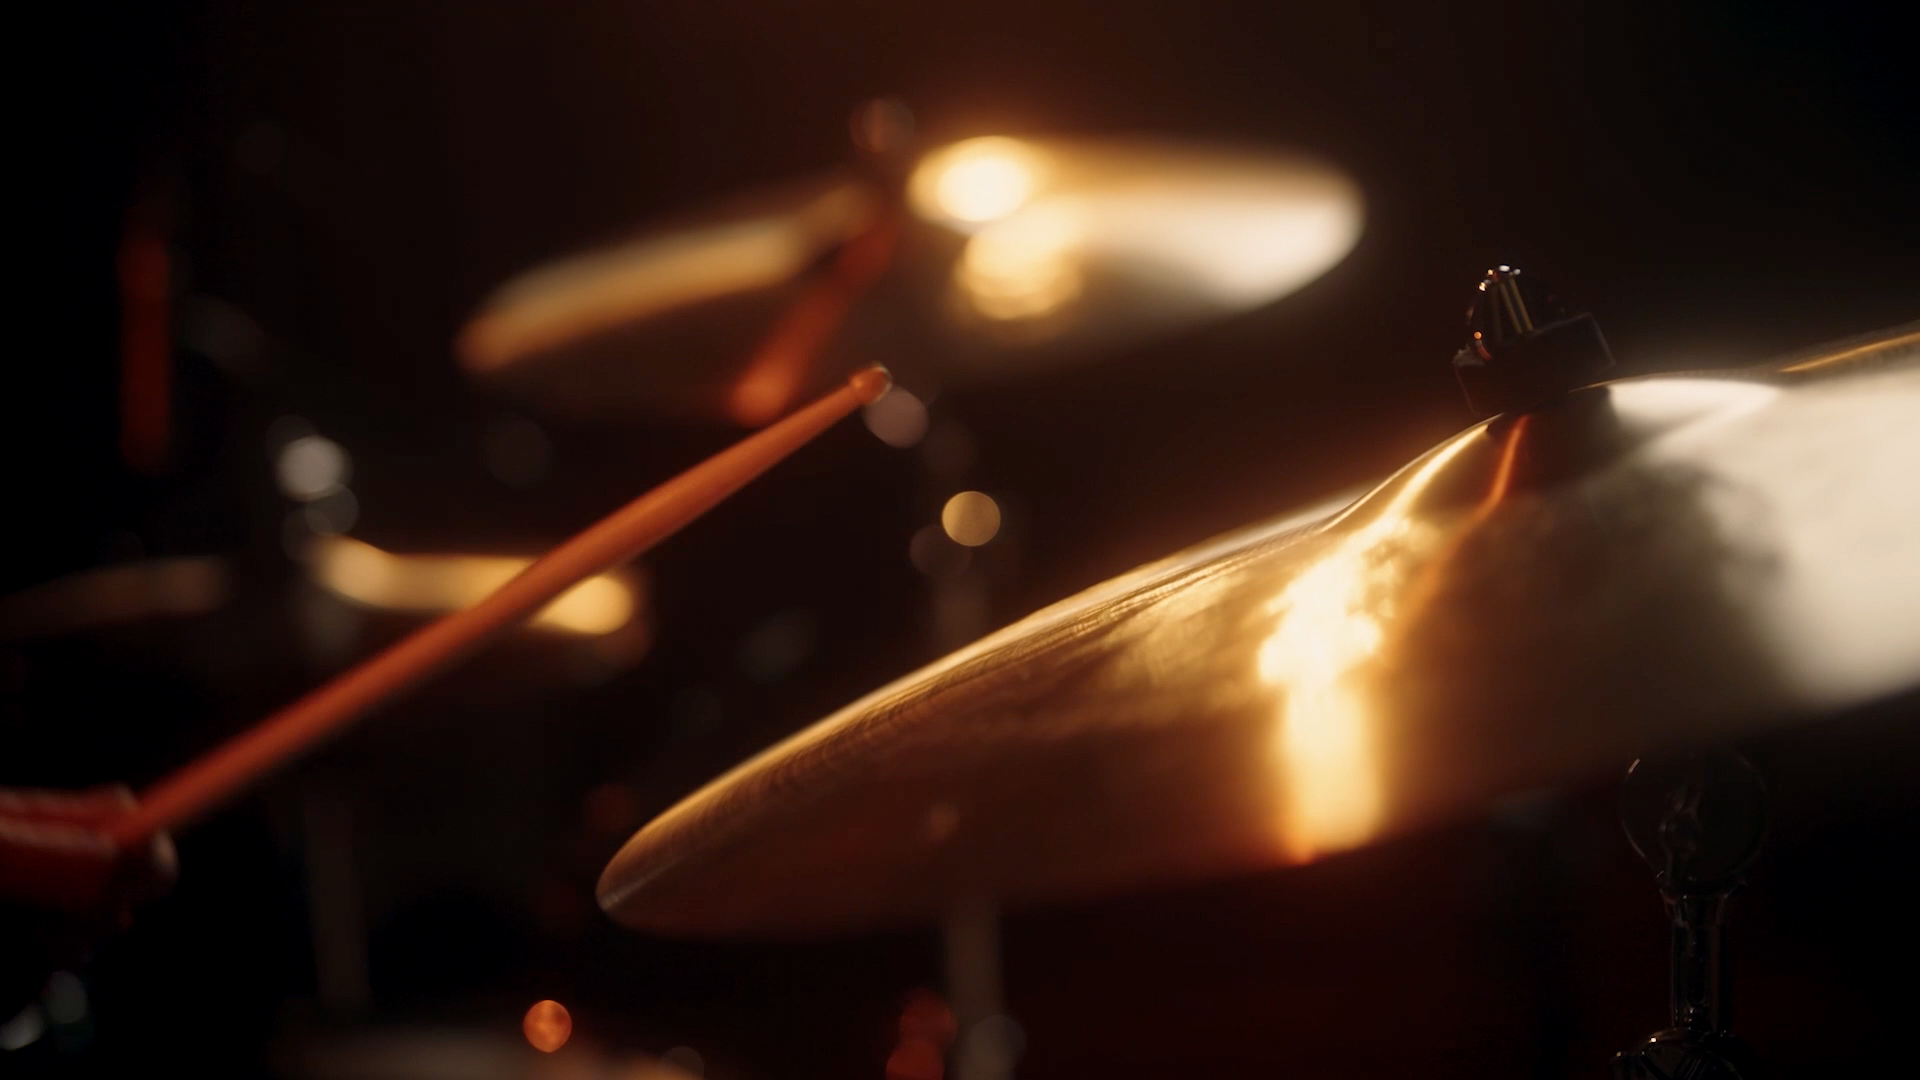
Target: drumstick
{"points": [[642, 523], [786, 356]]}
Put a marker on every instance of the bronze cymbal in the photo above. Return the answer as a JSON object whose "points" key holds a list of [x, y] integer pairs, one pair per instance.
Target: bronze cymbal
{"points": [[1010, 254], [1538, 600], [650, 324]]}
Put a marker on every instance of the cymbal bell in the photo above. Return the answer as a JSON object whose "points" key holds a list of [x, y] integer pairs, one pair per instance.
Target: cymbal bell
{"points": [[1642, 565], [1011, 255]]}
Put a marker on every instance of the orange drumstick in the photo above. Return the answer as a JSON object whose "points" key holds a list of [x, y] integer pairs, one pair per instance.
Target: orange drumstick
{"points": [[617, 538], [776, 372]]}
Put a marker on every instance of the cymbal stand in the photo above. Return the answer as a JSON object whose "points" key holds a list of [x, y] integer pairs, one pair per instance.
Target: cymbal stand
{"points": [[1698, 822], [987, 1041], [985, 1046], [883, 136]]}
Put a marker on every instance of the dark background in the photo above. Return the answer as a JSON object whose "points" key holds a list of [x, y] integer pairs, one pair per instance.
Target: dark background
{"points": [[1718, 182]]}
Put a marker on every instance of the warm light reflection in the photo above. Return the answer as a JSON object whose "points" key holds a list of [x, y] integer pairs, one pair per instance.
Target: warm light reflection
{"points": [[1198, 229], [1878, 351], [1820, 478], [367, 575], [547, 1026], [1026, 266], [976, 181], [1330, 620], [1238, 243]]}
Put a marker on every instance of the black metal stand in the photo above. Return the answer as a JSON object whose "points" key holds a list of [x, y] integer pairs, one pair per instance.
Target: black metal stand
{"points": [[1698, 821]]}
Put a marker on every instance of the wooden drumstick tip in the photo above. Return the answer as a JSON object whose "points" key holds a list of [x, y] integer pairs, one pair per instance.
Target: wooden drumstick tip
{"points": [[872, 384]]}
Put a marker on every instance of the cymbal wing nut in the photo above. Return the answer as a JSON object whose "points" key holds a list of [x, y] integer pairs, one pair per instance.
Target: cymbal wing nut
{"points": [[1523, 349]]}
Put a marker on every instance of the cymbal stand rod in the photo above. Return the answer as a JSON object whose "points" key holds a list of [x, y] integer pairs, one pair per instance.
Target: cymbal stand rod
{"points": [[1696, 1002], [971, 933], [1698, 821]]}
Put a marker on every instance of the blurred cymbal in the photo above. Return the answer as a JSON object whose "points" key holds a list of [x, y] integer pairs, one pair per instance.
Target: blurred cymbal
{"points": [[1536, 601], [1016, 254], [649, 325]]}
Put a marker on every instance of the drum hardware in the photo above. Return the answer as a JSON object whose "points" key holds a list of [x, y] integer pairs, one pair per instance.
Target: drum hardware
{"points": [[1523, 349], [970, 932], [1698, 821], [967, 262]]}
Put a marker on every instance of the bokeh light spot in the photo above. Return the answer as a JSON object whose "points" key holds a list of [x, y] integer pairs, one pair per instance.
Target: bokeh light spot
{"points": [[547, 1026], [1026, 266], [311, 466], [899, 419], [925, 1015], [971, 518]]}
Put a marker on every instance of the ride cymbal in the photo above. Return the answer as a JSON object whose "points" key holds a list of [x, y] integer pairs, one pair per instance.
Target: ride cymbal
{"points": [[1640, 565]]}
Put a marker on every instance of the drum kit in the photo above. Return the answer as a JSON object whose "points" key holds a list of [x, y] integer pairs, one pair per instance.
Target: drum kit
{"points": [[1600, 572]]}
